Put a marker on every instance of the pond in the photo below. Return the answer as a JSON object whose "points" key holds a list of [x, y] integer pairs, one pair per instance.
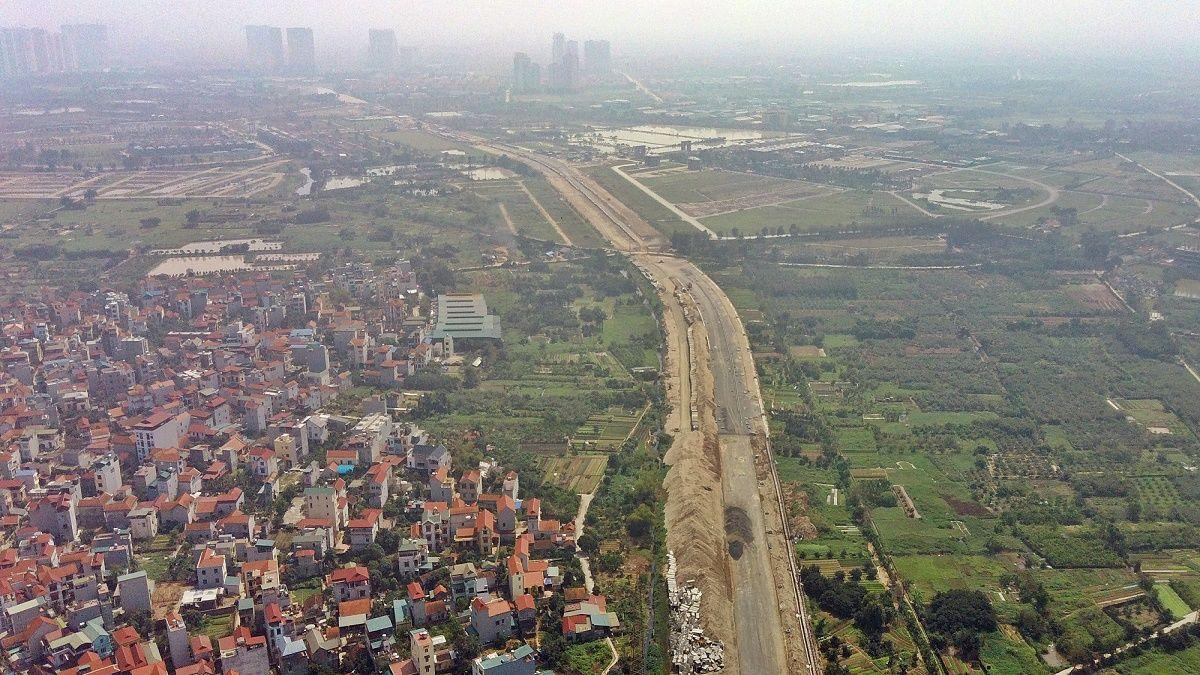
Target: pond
{"points": [[488, 173], [215, 245], [202, 264], [306, 189], [345, 182], [668, 137]]}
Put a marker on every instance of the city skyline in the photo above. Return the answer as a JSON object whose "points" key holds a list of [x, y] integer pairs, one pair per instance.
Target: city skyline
{"points": [[1014, 27]]}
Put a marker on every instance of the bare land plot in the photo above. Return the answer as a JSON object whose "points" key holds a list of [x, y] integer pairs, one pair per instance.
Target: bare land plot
{"points": [[1094, 296], [705, 193], [833, 212], [236, 181], [424, 141]]}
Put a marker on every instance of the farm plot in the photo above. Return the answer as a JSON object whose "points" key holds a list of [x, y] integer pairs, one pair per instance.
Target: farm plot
{"points": [[929, 574], [823, 212], [1152, 415], [712, 192], [605, 431], [1158, 493], [217, 182], [580, 474], [1094, 296], [1171, 601]]}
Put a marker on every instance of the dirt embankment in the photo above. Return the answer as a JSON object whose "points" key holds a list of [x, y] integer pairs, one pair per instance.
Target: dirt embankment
{"points": [[694, 508]]}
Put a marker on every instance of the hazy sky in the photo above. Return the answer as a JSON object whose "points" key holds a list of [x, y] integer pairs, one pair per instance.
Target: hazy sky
{"points": [[214, 27]]}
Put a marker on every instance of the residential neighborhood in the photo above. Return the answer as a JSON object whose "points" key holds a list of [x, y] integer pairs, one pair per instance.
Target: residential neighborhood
{"points": [[219, 474]]}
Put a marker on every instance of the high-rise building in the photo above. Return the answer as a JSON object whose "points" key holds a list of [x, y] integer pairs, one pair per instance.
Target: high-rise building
{"points": [[407, 59], [264, 46], [776, 118], [558, 48], [527, 75], [85, 46], [302, 50], [563, 73], [30, 51], [381, 49], [16, 52], [597, 57]]}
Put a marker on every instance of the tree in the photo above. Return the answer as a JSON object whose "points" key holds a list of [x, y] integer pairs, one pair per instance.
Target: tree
{"points": [[589, 543], [191, 219], [1095, 246], [640, 521], [871, 620], [958, 616], [470, 376], [465, 643]]}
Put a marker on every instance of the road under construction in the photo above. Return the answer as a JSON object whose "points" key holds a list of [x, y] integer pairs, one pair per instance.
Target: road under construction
{"points": [[724, 511]]}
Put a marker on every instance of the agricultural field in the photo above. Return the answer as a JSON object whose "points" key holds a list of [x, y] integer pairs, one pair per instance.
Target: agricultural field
{"points": [[605, 430], [842, 210], [580, 474], [965, 389], [1151, 415], [712, 192], [659, 216]]}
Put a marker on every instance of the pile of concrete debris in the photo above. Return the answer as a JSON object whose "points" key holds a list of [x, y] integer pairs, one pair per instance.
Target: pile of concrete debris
{"points": [[691, 650]]}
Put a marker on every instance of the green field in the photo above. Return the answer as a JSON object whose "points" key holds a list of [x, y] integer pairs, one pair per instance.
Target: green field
{"points": [[604, 431], [841, 211], [581, 233], [427, 142], [659, 216], [1171, 601], [929, 574], [715, 185], [580, 474]]}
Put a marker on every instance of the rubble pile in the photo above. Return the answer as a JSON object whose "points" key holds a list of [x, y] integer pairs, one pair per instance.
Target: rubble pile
{"points": [[691, 650]]}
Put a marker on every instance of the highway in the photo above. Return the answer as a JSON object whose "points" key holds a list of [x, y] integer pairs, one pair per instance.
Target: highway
{"points": [[763, 585]]}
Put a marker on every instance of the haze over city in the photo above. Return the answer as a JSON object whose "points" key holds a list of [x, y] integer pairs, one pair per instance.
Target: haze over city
{"points": [[185, 31], [599, 338]]}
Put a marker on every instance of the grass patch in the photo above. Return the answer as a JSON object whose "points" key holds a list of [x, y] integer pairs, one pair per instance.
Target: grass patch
{"points": [[1171, 601]]}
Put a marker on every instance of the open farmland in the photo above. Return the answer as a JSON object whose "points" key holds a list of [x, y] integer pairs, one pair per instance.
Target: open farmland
{"points": [[708, 193], [224, 182], [605, 431], [580, 474], [818, 213], [983, 459]]}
